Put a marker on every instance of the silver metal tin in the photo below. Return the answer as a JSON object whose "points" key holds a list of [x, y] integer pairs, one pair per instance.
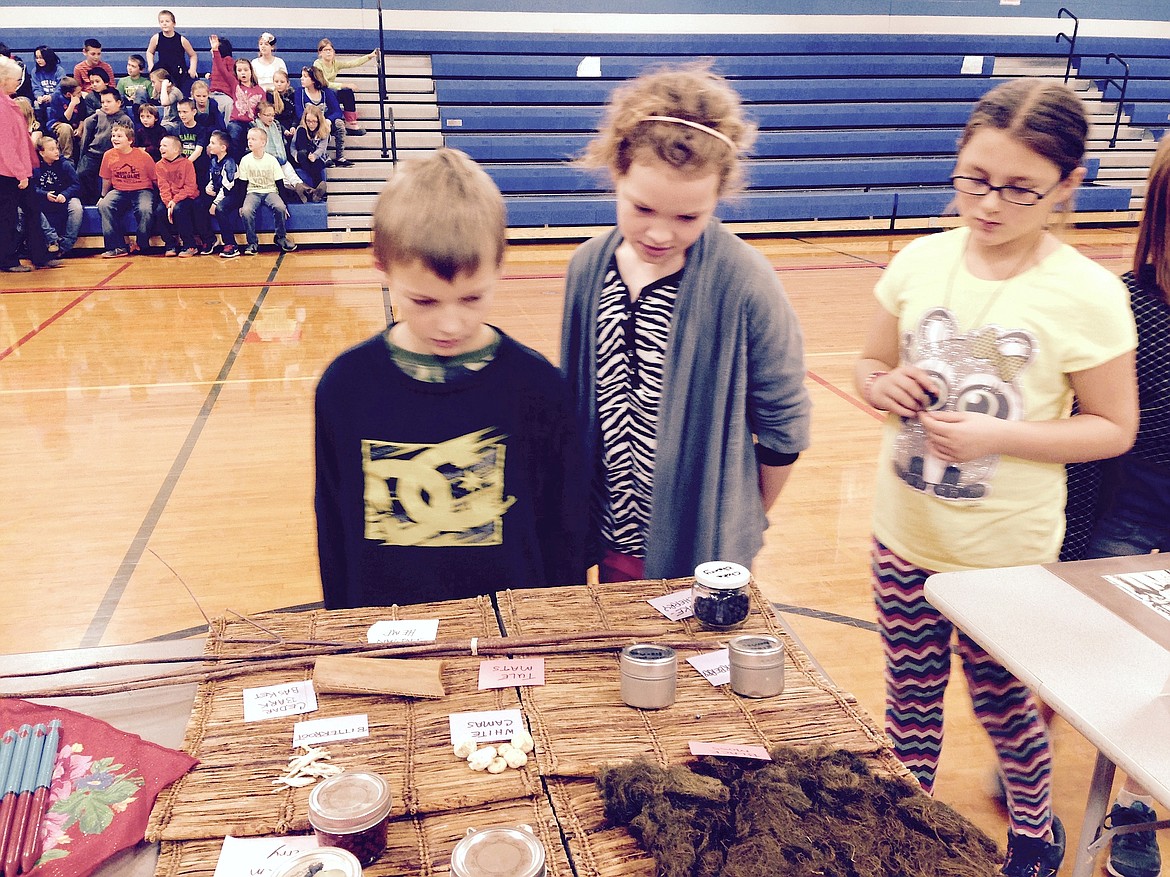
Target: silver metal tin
{"points": [[512, 851], [649, 676], [757, 665]]}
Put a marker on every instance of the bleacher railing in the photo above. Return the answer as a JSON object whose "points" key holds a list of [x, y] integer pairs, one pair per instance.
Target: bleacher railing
{"points": [[383, 105], [1122, 87], [1072, 41]]}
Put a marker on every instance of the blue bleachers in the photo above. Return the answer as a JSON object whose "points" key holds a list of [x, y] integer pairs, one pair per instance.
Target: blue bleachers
{"points": [[822, 65], [571, 92], [850, 125], [302, 217]]}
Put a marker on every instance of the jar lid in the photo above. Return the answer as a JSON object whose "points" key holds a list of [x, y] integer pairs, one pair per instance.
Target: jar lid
{"points": [[722, 575], [658, 660], [349, 802], [755, 650], [498, 852], [322, 860]]}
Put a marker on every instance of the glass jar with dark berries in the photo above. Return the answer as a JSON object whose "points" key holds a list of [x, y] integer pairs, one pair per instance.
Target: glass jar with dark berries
{"points": [[721, 595], [351, 811]]}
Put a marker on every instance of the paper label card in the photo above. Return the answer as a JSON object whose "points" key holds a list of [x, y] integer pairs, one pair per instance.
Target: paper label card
{"points": [[274, 701], [423, 630], [715, 667], [485, 727], [510, 673], [260, 856], [729, 750], [316, 731], [676, 606]]}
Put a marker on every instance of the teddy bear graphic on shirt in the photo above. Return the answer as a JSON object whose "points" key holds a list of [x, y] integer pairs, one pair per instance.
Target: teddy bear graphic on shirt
{"points": [[975, 372]]}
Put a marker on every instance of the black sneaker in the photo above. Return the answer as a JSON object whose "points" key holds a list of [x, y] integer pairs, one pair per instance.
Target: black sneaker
{"points": [[1134, 854], [288, 246], [343, 162], [229, 252], [209, 249], [1033, 857], [251, 250]]}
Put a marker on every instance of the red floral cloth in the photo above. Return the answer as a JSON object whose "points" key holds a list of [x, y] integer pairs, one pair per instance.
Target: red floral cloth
{"points": [[104, 785]]}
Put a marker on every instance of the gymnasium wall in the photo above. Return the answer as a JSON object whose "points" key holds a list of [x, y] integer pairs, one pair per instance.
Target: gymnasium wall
{"points": [[59, 22]]}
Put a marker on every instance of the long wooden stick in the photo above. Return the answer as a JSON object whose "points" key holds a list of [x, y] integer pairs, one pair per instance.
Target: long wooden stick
{"points": [[257, 664], [486, 645]]}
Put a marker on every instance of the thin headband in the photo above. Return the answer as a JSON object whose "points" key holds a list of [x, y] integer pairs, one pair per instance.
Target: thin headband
{"points": [[698, 126]]}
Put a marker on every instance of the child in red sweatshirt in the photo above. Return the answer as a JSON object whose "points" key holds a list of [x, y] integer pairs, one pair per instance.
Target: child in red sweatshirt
{"points": [[178, 191]]}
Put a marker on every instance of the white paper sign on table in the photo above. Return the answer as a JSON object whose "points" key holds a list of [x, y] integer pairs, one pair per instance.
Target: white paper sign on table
{"points": [[273, 701], [317, 731], [422, 630], [484, 727], [729, 750], [511, 672], [260, 856], [676, 606], [715, 666]]}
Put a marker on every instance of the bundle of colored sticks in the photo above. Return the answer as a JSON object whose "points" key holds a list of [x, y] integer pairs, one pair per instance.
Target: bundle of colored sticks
{"points": [[27, 756]]}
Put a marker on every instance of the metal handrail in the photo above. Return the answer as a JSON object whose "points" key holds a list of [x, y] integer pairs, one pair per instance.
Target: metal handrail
{"points": [[1121, 100], [383, 106], [1072, 42]]}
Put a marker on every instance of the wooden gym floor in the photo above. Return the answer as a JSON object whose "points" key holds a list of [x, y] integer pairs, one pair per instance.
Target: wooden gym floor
{"points": [[156, 424]]}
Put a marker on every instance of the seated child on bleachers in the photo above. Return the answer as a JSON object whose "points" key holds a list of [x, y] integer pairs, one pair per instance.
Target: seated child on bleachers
{"points": [[135, 85], [194, 137], [59, 191], [170, 50], [284, 97], [178, 193], [314, 92], [266, 64], [261, 171], [128, 178], [207, 111], [149, 130], [246, 95], [66, 114], [92, 61], [99, 82], [330, 65], [223, 88], [45, 77], [226, 196], [276, 147], [96, 141], [30, 118], [164, 92], [310, 147]]}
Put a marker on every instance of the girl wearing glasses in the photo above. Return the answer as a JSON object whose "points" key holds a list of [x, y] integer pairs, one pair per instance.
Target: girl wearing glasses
{"points": [[982, 337]]}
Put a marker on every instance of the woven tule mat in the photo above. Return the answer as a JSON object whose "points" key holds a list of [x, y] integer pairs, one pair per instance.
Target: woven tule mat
{"points": [[580, 722], [417, 846], [231, 790]]}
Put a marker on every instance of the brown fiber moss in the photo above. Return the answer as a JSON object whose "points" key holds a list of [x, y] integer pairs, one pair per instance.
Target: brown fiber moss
{"points": [[807, 813]]}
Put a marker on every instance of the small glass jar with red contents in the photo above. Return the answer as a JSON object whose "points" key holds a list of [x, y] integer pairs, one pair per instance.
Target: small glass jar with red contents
{"points": [[350, 811]]}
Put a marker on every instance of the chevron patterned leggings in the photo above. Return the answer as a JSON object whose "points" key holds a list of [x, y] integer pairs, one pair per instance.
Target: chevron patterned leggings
{"points": [[916, 641]]}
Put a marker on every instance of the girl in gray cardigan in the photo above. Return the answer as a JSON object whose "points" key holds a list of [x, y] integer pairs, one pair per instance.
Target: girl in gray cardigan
{"points": [[682, 349]]}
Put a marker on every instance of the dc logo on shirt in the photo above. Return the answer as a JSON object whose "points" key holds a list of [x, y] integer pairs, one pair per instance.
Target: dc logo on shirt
{"points": [[446, 494]]}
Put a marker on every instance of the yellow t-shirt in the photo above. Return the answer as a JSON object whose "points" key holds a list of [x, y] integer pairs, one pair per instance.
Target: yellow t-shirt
{"points": [[1004, 348]]}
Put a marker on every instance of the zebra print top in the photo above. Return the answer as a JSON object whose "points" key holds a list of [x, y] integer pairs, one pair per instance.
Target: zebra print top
{"points": [[631, 349]]}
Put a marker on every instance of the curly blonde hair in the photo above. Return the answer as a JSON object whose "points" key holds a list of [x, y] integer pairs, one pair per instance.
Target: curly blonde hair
{"points": [[692, 93]]}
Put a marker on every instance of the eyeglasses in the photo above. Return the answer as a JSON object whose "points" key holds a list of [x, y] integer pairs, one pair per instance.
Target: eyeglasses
{"points": [[1011, 194]]}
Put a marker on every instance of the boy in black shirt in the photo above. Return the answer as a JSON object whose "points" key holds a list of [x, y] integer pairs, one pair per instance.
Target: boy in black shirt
{"points": [[449, 462]]}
